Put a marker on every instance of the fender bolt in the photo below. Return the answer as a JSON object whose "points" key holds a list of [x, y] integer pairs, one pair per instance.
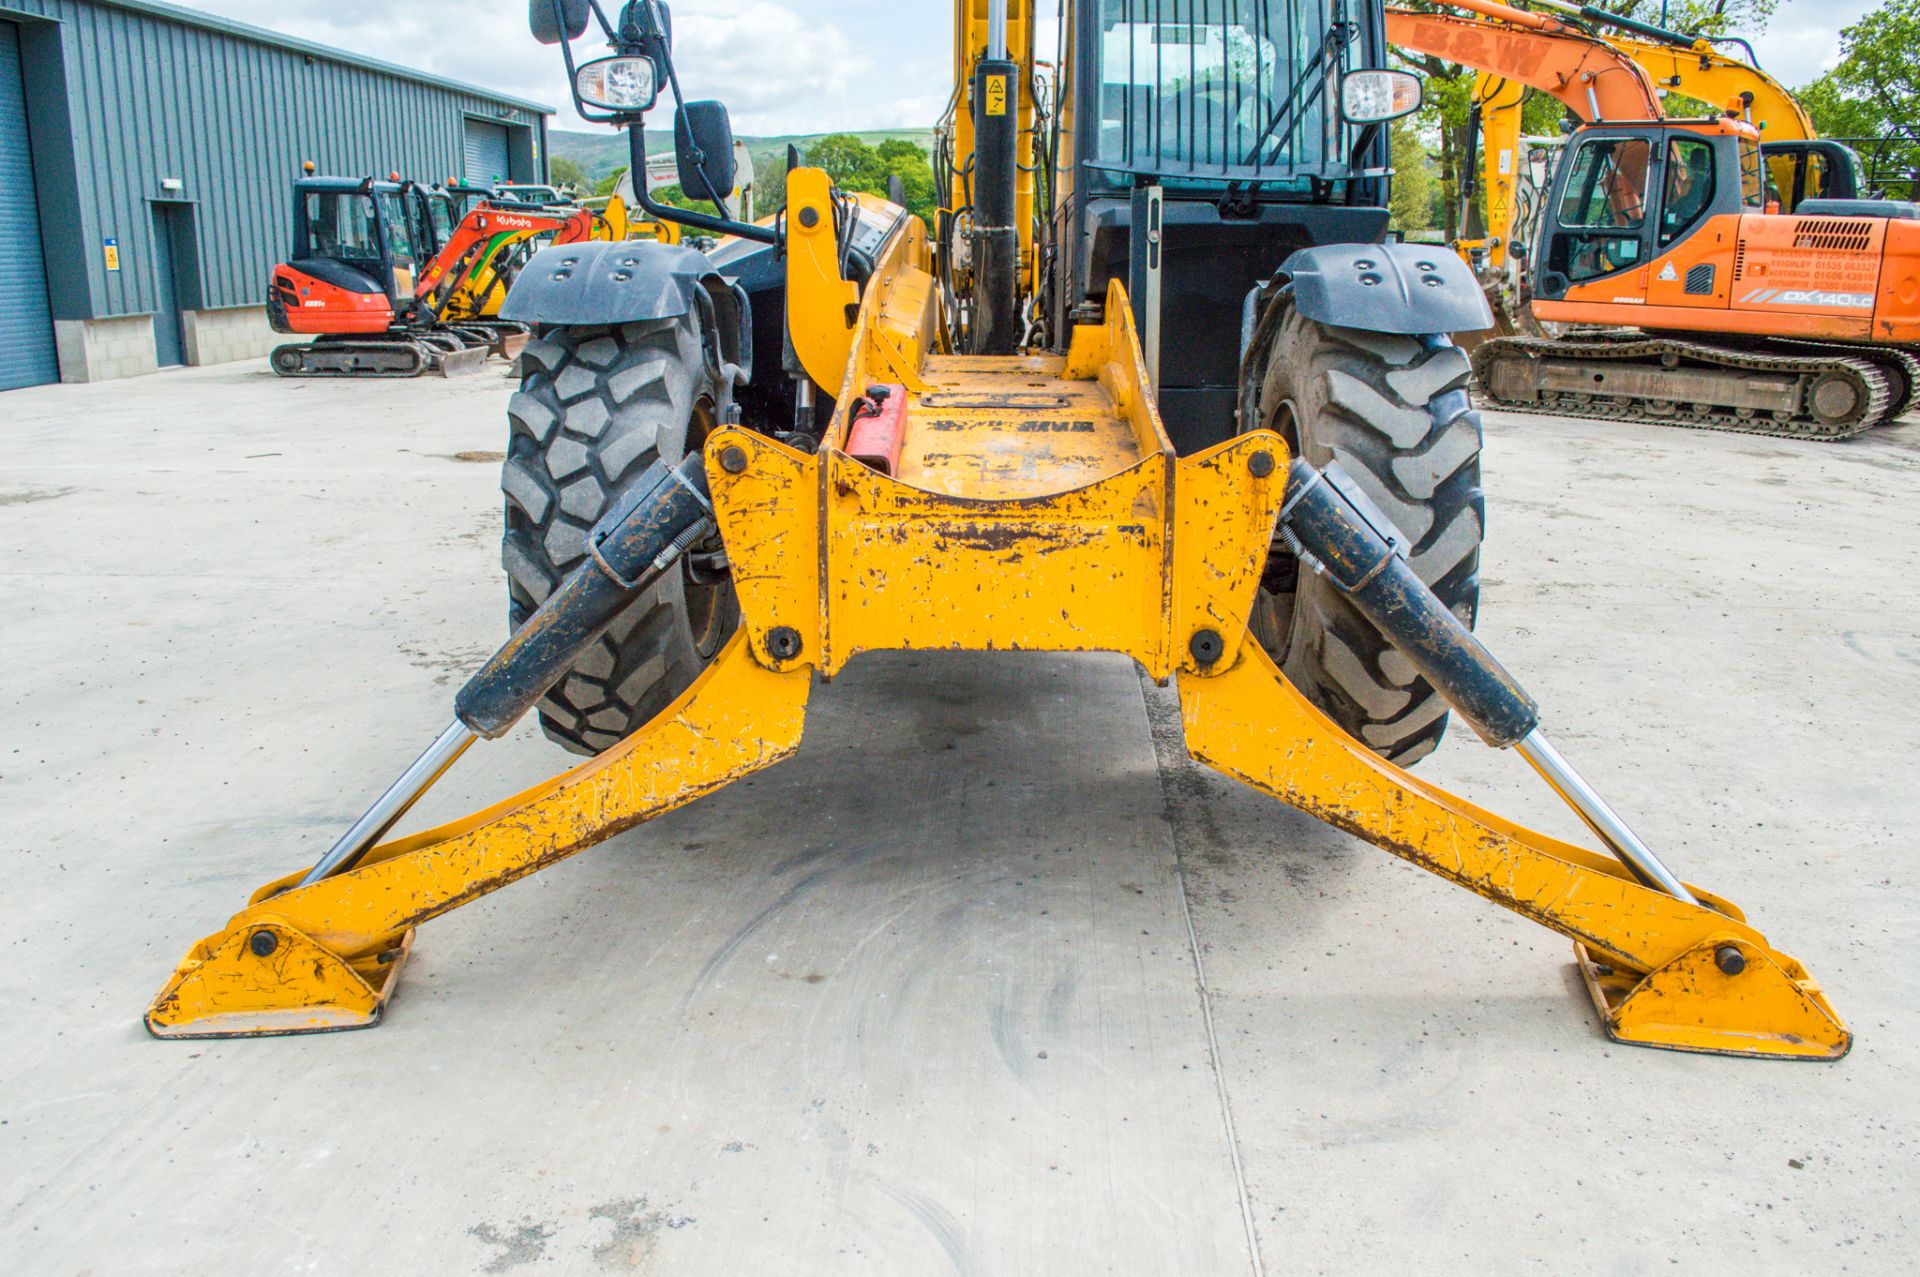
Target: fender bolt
{"points": [[1729, 959], [733, 458], [263, 943], [1206, 646], [1260, 464]]}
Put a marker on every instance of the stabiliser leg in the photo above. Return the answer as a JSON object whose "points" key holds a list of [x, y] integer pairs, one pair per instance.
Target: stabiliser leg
{"points": [[1667, 964], [321, 950]]}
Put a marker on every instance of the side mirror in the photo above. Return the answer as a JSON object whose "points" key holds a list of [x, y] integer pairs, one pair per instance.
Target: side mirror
{"points": [[1374, 97], [703, 150], [553, 21]]}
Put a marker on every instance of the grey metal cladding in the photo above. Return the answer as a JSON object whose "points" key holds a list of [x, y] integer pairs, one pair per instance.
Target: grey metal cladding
{"points": [[153, 92]]}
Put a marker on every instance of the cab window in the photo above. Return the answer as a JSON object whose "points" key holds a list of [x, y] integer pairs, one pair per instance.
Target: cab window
{"points": [[1192, 88], [444, 220], [1753, 181], [1688, 193], [1605, 204], [340, 225], [399, 242], [1608, 184]]}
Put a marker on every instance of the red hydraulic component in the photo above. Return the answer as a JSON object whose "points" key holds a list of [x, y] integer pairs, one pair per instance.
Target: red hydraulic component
{"points": [[879, 426]]}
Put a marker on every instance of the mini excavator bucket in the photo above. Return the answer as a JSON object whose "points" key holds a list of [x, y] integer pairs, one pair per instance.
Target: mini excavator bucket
{"points": [[1016, 503]]}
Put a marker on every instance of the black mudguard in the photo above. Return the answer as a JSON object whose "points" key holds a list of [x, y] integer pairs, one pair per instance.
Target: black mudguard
{"points": [[625, 282], [1387, 288]]}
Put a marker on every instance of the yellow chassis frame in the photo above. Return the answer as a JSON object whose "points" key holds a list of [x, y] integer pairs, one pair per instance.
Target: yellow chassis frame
{"points": [[831, 558]]}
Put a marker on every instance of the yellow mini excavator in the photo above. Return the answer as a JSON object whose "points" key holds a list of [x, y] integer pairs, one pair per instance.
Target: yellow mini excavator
{"points": [[1152, 385]]}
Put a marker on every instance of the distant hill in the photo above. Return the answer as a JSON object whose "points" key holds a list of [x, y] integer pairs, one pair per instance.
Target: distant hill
{"points": [[604, 150]]}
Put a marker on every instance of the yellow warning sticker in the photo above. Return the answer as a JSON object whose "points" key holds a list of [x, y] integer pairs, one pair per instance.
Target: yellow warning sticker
{"points": [[996, 95]]}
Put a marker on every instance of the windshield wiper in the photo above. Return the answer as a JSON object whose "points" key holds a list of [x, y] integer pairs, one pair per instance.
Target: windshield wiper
{"points": [[1312, 82]]}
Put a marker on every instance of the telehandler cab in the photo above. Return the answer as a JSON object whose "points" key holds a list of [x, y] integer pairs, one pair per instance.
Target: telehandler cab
{"points": [[731, 475]]}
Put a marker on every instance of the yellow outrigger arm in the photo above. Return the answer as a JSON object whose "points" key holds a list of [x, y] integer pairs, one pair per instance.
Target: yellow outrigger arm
{"points": [[1032, 503]]}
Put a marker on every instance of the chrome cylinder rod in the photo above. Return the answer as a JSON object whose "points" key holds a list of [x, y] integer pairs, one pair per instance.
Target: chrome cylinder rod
{"points": [[393, 804], [997, 30], [1602, 819]]}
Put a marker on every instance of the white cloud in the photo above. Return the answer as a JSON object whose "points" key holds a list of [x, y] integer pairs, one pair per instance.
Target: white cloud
{"points": [[780, 68], [1803, 40]]}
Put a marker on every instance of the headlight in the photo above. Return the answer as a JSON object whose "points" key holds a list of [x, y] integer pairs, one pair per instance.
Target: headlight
{"points": [[1368, 97], [617, 84]]}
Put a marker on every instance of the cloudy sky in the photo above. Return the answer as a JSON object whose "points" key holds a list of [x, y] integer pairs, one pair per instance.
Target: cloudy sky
{"points": [[786, 66]]}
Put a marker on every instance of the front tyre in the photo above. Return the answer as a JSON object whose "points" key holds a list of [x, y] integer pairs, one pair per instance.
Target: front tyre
{"points": [[1394, 411], [596, 406]]}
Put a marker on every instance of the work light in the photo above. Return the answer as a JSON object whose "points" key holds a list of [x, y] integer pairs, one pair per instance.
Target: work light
{"points": [[617, 84], [1369, 97]]}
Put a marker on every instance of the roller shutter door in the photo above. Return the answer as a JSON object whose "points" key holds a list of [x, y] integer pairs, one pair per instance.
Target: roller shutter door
{"points": [[487, 152], [26, 321]]}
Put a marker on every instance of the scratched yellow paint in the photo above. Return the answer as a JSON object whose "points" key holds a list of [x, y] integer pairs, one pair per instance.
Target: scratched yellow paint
{"points": [[736, 718], [1255, 726], [1037, 507]]}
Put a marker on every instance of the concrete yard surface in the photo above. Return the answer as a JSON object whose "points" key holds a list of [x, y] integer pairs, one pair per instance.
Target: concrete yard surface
{"points": [[989, 979]]}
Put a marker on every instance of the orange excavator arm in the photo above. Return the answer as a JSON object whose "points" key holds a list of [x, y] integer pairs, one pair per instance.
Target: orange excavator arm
{"points": [[1594, 79], [486, 222]]}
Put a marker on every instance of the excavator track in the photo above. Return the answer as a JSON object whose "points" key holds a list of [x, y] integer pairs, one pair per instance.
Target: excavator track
{"points": [[1905, 362], [1827, 393]]}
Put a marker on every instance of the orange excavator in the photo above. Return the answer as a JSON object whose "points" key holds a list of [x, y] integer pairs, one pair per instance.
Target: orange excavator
{"points": [[1700, 304], [387, 291], [1800, 163]]}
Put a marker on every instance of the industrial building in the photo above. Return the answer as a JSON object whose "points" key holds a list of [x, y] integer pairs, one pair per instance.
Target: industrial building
{"points": [[147, 154]]}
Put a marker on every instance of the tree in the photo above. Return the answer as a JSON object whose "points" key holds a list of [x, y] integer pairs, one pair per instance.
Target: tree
{"points": [[565, 172], [851, 163], [855, 166], [610, 183], [1411, 203], [1875, 92]]}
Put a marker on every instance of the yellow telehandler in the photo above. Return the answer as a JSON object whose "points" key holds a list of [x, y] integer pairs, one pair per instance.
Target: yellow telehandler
{"points": [[1150, 385]]}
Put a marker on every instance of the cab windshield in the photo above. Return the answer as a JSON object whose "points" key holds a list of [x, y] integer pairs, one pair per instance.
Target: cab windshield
{"points": [[394, 214], [440, 208], [1215, 88], [340, 225]]}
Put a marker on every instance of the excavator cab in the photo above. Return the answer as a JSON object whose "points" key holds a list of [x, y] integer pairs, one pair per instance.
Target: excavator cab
{"points": [[1625, 194], [448, 205], [357, 246], [1812, 169]]}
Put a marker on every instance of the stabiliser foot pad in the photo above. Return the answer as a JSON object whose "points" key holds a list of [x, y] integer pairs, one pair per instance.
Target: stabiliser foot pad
{"points": [[266, 978], [1728, 997]]}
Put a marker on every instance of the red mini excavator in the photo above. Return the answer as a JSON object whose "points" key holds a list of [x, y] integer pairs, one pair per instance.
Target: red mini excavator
{"points": [[387, 289]]}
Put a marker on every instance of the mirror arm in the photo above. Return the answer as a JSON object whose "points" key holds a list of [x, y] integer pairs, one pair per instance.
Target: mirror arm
{"points": [[673, 81], [637, 165]]}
